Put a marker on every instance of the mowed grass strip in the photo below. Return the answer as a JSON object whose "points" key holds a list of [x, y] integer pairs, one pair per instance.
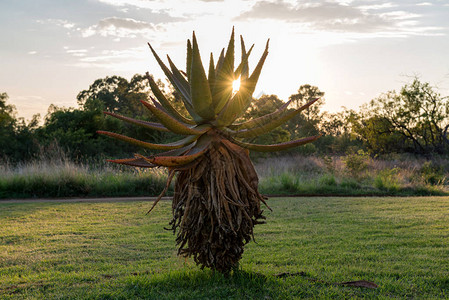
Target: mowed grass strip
{"points": [[88, 250]]}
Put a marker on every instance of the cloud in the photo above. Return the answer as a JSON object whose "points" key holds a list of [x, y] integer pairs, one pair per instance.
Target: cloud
{"points": [[132, 59], [58, 22], [327, 15], [182, 10], [340, 16], [77, 52], [119, 27]]}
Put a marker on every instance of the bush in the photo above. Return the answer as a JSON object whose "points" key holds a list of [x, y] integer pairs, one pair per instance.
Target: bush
{"points": [[356, 163], [432, 174]]}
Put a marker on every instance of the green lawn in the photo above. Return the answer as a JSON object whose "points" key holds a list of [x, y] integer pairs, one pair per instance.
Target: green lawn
{"points": [[89, 250]]}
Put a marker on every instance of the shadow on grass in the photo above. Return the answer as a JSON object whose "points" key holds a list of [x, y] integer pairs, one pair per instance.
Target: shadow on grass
{"points": [[200, 284]]}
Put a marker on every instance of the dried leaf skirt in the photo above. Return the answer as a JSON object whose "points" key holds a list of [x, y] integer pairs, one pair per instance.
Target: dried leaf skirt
{"points": [[215, 207]]}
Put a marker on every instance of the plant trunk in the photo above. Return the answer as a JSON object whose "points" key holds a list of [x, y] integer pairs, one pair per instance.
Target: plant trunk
{"points": [[215, 207]]}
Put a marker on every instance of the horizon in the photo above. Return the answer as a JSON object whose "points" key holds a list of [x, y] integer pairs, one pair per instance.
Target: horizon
{"points": [[355, 50]]}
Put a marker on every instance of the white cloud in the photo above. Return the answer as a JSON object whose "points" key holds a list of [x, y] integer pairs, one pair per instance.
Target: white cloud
{"points": [[378, 6], [58, 22], [119, 27], [32, 52], [185, 8], [116, 60], [425, 4], [77, 52], [340, 16]]}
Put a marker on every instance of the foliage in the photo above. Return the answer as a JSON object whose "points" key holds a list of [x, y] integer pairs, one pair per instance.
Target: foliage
{"points": [[414, 120], [16, 137], [306, 123], [356, 163]]}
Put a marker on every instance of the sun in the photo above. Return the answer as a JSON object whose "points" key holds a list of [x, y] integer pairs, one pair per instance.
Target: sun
{"points": [[236, 85]]}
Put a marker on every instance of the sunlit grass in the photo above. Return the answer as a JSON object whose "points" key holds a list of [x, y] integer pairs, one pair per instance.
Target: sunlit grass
{"points": [[91, 250]]}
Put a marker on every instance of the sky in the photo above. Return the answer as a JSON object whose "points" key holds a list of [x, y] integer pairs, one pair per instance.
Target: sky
{"points": [[353, 50]]}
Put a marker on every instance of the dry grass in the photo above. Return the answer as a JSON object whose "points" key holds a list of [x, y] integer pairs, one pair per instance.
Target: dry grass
{"points": [[357, 173]]}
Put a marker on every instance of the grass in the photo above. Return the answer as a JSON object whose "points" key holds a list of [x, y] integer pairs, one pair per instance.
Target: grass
{"points": [[62, 178], [88, 250], [355, 174]]}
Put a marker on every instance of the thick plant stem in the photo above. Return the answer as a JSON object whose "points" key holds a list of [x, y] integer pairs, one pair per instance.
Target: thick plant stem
{"points": [[215, 207]]}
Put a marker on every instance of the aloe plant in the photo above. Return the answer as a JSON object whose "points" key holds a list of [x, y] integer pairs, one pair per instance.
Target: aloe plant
{"points": [[216, 202]]}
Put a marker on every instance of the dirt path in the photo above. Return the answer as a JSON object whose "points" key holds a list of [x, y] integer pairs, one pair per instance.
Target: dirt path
{"points": [[68, 200]]}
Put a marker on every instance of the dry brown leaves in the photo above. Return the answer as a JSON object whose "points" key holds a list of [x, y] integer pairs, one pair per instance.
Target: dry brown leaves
{"points": [[215, 207]]}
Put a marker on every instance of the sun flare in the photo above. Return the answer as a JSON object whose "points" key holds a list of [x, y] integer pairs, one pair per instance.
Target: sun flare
{"points": [[236, 85]]}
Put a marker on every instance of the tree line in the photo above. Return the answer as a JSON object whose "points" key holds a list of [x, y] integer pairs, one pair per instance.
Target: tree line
{"points": [[412, 120]]}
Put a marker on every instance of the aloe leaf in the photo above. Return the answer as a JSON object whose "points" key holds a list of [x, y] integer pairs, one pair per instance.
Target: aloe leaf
{"points": [[182, 83], [241, 100], [228, 63], [176, 161], [224, 77], [243, 69], [261, 120], [166, 104], [276, 147], [189, 59], [185, 95], [169, 146], [135, 162], [219, 62], [171, 123], [211, 75], [200, 91], [149, 125], [273, 122]]}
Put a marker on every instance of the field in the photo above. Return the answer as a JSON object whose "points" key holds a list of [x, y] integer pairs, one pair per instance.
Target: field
{"points": [[96, 250]]}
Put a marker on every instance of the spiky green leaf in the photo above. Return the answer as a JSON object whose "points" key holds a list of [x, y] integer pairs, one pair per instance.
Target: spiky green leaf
{"points": [[211, 74], [180, 88], [170, 146], [260, 121], [189, 59], [276, 147], [135, 162], [149, 125], [171, 123], [272, 123], [200, 91], [241, 100]]}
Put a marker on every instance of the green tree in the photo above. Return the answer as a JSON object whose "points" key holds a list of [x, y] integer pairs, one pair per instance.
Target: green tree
{"points": [[413, 120], [306, 93], [17, 142], [306, 123], [7, 126]]}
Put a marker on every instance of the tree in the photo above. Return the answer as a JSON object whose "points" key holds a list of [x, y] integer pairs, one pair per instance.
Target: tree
{"points": [[116, 94], [216, 201], [306, 123], [306, 93], [17, 141], [414, 120], [337, 131], [7, 126]]}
